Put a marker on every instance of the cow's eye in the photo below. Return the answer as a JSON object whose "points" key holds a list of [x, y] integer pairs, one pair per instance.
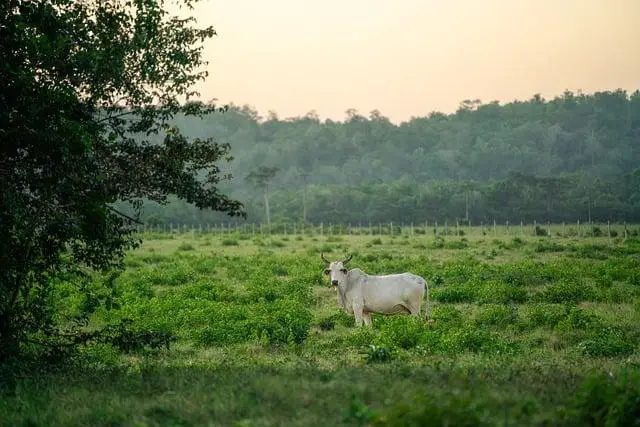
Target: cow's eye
{"points": [[327, 271], [344, 271]]}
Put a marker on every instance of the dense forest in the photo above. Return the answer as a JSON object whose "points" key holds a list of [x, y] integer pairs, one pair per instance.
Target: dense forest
{"points": [[574, 157]]}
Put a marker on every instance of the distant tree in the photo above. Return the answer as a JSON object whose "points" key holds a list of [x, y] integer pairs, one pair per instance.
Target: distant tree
{"points": [[88, 92], [260, 178]]}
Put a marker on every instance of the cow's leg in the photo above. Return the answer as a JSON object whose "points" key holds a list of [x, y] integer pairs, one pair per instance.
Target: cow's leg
{"points": [[357, 311], [367, 318]]}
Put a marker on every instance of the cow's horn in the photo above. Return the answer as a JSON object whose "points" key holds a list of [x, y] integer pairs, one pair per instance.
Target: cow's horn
{"points": [[324, 259], [348, 259]]}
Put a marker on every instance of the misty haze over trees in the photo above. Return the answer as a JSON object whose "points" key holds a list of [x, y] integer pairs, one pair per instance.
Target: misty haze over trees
{"points": [[574, 157]]}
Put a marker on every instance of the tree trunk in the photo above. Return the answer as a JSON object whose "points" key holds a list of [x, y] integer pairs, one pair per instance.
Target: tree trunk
{"points": [[266, 205], [304, 204]]}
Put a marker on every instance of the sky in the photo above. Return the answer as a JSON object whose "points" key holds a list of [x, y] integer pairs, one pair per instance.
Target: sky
{"points": [[408, 58]]}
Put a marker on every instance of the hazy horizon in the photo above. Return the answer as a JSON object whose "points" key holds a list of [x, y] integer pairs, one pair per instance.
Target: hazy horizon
{"points": [[411, 57]]}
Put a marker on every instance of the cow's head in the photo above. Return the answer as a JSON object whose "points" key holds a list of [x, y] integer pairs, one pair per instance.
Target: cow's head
{"points": [[336, 269]]}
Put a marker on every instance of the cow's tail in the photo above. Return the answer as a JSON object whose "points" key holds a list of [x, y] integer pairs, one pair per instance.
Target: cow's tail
{"points": [[426, 308]]}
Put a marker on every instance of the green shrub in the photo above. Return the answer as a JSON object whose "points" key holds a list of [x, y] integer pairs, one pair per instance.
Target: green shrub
{"points": [[498, 315], [229, 242], [566, 291], [607, 399], [186, 247], [282, 322], [376, 354], [446, 315], [500, 292], [544, 314], [578, 319], [473, 339], [608, 342], [402, 331], [455, 293], [458, 408], [376, 241]]}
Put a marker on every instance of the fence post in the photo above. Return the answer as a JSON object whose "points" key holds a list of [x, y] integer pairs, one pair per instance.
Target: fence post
{"points": [[446, 228], [609, 230], [507, 224], [495, 233], [549, 228], [579, 232], [435, 229], [521, 227], [625, 230], [457, 227], [563, 233]]}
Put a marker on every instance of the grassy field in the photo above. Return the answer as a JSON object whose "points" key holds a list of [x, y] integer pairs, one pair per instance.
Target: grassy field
{"points": [[522, 330]]}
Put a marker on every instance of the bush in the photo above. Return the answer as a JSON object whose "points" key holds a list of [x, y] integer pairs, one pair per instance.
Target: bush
{"points": [[283, 322], [498, 315], [376, 241], [608, 342], [499, 292], [455, 293], [377, 354], [339, 318], [565, 291], [446, 315], [229, 242], [539, 231], [607, 399], [474, 340], [402, 331], [186, 247], [578, 319], [542, 314], [454, 408]]}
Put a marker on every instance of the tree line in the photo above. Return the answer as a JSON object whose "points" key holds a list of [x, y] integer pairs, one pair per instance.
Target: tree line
{"points": [[571, 157]]}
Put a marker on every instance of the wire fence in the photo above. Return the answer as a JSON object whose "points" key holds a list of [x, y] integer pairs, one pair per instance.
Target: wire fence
{"points": [[445, 228]]}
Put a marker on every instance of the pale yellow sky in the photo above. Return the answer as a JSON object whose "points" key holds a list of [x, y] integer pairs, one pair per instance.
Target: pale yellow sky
{"points": [[410, 57]]}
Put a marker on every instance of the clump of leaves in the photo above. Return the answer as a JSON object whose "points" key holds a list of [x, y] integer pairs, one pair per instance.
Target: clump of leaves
{"points": [[186, 247], [376, 354], [608, 342], [566, 291], [606, 399], [229, 242], [498, 315], [402, 331]]}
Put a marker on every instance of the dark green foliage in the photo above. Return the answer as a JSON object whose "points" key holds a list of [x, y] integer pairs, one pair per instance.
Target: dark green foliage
{"points": [[453, 408], [566, 291], [544, 314], [376, 354], [498, 315], [607, 399], [455, 293], [89, 93], [229, 242], [402, 331], [608, 341], [285, 321], [499, 292]]}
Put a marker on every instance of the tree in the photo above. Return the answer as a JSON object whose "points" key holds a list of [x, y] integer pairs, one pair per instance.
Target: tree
{"points": [[260, 178], [88, 94]]}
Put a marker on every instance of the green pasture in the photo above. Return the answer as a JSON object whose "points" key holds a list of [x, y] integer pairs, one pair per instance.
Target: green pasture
{"points": [[521, 330]]}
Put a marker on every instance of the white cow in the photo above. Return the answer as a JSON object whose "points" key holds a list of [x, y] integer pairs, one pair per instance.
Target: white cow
{"points": [[361, 294]]}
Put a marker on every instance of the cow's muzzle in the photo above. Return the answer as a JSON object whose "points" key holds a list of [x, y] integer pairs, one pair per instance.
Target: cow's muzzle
{"points": [[334, 282]]}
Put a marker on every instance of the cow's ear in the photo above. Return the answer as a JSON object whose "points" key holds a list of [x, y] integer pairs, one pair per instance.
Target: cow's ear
{"points": [[327, 271]]}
